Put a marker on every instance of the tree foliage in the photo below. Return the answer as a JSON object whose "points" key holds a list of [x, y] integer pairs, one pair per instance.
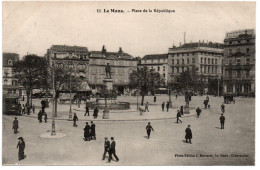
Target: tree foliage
{"points": [[145, 80], [31, 72]]}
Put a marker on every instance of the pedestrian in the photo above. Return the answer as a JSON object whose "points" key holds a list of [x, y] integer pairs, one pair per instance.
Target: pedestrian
{"points": [[40, 116], [86, 132], [23, 109], [106, 148], [79, 102], [181, 110], [23, 98], [45, 117], [154, 98], [148, 129], [95, 113], [178, 116], [146, 107], [206, 103], [75, 119], [93, 131], [21, 147], [163, 106], [33, 108], [188, 135], [223, 108], [198, 110], [19, 108], [176, 96], [15, 125], [222, 121], [87, 111], [112, 150], [167, 105]]}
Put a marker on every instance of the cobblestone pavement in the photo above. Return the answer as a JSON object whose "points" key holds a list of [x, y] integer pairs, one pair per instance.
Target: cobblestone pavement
{"points": [[165, 147]]}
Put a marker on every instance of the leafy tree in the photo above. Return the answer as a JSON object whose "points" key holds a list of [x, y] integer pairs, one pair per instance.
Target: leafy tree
{"points": [[145, 80], [188, 80], [31, 72], [63, 78]]}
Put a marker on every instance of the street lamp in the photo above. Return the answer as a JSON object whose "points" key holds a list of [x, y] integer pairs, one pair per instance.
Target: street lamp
{"points": [[70, 112], [53, 104], [169, 93], [137, 103]]}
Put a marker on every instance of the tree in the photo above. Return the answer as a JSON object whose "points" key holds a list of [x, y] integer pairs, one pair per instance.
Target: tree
{"points": [[31, 72], [63, 78], [145, 80], [188, 80]]}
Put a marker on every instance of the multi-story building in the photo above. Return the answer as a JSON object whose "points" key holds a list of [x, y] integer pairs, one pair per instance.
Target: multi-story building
{"points": [[10, 83], [75, 58], [121, 64], [158, 62], [207, 58], [239, 59]]}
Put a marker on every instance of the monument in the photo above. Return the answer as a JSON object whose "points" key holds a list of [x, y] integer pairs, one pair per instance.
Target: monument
{"points": [[108, 81], [187, 100]]}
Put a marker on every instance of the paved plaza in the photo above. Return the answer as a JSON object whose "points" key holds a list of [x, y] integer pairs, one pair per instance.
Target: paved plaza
{"points": [[165, 147]]}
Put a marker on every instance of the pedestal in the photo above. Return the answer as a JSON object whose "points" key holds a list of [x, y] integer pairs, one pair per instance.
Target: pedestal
{"points": [[186, 109], [108, 83], [106, 114]]}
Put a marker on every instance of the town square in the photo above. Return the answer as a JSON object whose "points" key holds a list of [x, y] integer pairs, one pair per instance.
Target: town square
{"points": [[102, 85]]}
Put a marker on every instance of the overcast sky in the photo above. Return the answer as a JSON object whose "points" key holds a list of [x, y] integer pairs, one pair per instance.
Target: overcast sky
{"points": [[34, 26]]}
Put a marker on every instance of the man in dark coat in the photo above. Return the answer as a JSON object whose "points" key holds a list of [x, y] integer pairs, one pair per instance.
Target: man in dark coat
{"points": [[15, 125], [87, 111], [222, 121], [87, 132], [154, 99], [178, 116], [188, 135], [95, 113], [146, 107], [163, 106], [181, 110], [148, 129], [93, 131], [198, 110], [21, 147], [75, 119], [112, 150], [106, 148], [19, 108], [167, 106], [40, 116]]}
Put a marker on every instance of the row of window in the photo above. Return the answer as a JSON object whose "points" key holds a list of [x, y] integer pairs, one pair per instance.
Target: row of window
{"points": [[79, 56], [238, 61], [155, 61], [181, 69], [183, 61], [239, 88], [158, 68], [194, 53], [210, 61], [209, 69], [238, 74], [239, 41], [231, 51]]}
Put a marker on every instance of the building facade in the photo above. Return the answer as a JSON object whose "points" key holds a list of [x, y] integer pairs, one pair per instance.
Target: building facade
{"points": [[239, 59], [207, 58], [158, 62], [10, 83], [73, 58], [121, 64]]}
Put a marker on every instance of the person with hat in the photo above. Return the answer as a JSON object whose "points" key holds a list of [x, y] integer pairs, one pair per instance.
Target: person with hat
{"points": [[148, 129], [163, 104], [93, 131], [112, 150], [75, 119], [40, 116], [21, 147], [106, 148], [198, 110], [178, 116], [188, 135], [167, 106], [86, 132], [15, 125], [222, 121]]}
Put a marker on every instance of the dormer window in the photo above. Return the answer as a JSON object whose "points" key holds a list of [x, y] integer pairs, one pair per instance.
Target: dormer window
{"points": [[10, 62]]}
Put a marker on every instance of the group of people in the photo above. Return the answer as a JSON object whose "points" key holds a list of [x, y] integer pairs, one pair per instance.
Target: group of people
{"points": [[167, 106], [90, 131], [110, 148], [25, 109], [41, 114], [95, 114]]}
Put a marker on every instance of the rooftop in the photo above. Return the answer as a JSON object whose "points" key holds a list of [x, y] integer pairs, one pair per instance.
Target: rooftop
{"points": [[155, 56]]}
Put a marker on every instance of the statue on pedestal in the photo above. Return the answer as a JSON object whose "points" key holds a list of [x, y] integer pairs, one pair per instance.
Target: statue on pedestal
{"points": [[108, 71]]}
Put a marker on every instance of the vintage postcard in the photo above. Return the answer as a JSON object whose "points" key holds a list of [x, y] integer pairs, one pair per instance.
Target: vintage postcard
{"points": [[128, 83]]}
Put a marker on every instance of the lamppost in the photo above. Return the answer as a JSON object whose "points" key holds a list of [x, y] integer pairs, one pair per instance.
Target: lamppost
{"points": [[137, 103], [53, 103], [169, 93], [70, 112]]}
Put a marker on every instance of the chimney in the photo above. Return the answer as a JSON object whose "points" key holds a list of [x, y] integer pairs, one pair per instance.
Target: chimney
{"points": [[104, 49], [120, 50]]}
